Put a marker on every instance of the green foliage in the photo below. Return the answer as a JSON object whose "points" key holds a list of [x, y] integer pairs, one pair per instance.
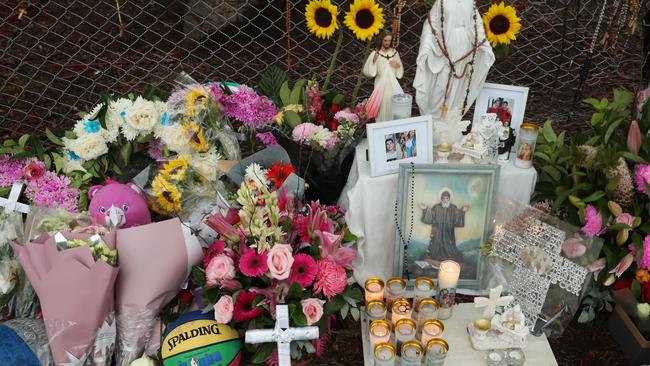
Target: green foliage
{"points": [[271, 82]]}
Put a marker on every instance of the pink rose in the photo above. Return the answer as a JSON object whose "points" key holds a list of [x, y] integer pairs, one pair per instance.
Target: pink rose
{"points": [[280, 260], [34, 170], [313, 310], [223, 309], [625, 218], [220, 268]]}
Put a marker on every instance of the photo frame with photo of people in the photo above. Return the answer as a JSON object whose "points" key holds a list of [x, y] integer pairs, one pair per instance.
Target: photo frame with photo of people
{"points": [[401, 141], [508, 102]]}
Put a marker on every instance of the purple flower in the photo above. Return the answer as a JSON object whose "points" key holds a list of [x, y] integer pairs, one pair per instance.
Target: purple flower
{"points": [[645, 257], [155, 149], [11, 171], [642, 176], [267, 138], [53, 191], [253, 110], [304, 132], [594, 221]]}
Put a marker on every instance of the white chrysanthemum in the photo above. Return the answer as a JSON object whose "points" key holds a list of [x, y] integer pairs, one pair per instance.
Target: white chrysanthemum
{"points": [[321, 135], [140, 118], [206, 164], [257, 174], [8, 275], [165, 118], [114, 119], [93, 113], [90, 147], [72, 165], [174, 139]]}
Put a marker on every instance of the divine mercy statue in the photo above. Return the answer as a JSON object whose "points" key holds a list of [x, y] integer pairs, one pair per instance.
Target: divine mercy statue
{"points": [[385, 66], [453, 60]]}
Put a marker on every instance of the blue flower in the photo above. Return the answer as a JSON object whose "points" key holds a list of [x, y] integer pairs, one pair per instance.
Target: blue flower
{"points": [[165, 120], [92, 126], [73, 155]]}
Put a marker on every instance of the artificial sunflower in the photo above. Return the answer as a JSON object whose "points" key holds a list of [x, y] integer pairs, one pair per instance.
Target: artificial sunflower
{"points": [[365, 19], [168, 197], [321, 18], [501, 24], [196, 137], [197, 99], [175, 169]]}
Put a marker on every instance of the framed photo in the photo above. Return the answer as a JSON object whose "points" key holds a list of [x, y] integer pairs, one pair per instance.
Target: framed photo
{"points": [[403, 141], [450, 208], [507, 101]]}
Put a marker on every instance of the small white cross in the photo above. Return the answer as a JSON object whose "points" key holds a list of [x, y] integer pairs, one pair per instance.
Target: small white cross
{"points": [[490, 304], [11, 204], [282, 334]]}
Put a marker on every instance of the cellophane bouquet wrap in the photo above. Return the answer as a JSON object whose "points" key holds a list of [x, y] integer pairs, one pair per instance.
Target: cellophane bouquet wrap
{"points": [[155, 261], [16, 296], [74, 276]]}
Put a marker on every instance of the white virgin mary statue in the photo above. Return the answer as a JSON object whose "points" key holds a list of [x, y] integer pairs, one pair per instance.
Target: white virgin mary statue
{"points": [[450, 47]]}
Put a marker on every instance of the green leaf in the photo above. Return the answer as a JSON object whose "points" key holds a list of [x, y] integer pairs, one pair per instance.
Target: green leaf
{"points": [[577, 202], [548, 133], [592, 101], [285, 93], [298, 317], [270, 83], [354, 292], [631, 157], [334, 305], [585, 316], [53, 138], [636, 289], [542, 156], [338, 99], [594, 196], [611, 130], [592, 141], [23, 140], [355, 314], [125, 153], [295, 290], [552, 171], [292, 119], [37, 145], [198, 274], [344, 311], [69, 134], [263, 352], [298, 91], [617, 227]]}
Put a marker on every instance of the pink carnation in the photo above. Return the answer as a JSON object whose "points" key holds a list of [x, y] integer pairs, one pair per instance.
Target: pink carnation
{"points": [[304, 132], [642, 176], [345, 115], [645, 257], [11, 171], [593, 221], [53, 191], [331, 142], [267, 138], [331, 278], [249, 108]]}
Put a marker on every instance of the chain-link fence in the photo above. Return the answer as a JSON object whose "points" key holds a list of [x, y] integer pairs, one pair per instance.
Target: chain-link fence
{"points": [[57, 56]]}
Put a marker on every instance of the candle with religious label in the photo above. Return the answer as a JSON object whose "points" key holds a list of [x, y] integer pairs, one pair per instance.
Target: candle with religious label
{"points": [[431, 329], [405, 331], [380, 331], [427, 309], [515, 357], [385, 354], [448, 275], [526, 149], [424, 287], [437, 350], [401, 310], [412, 353], [395, 289], [495, 358], [374, 290], [376, 310]]}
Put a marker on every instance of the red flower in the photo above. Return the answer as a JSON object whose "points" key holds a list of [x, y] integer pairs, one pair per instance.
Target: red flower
{"points": [[335, 108], [645, 292], [34, 170], [333, 124], [244, 309], [304, 270], [215, 248], [279, 173], [621, 284], [320, 117], [185, 297], [253, 264]]}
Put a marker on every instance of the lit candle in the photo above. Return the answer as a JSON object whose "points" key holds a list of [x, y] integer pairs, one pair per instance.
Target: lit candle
{"points": [[495, 358], [431, 329], [427, 309], [515, 357], [376, 310], [374, 290], [405, 331], [380, 331], [412, 353], [401, 310], [395, 289], [447, 281], [424, 287], [437, 350], [385, 354]]}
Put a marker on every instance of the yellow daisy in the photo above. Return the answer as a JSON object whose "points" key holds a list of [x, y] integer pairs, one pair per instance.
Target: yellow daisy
{"points": [[175, 169], [197, 99], [365, 19], [168, 197], [501, 24], [321, 18], [196, 137]]}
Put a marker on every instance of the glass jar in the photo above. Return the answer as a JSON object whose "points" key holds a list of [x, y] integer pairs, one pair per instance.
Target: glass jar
{"points": [[374, 290], [376, 310], [431, 329], [401, 105], [395, 289], [515, 357], [404, 331], [427, 309], [401, 310], [526, 147], [424, 287], [495, 358], [380, 331], [384, 354], [437, 349], [412, 353]]}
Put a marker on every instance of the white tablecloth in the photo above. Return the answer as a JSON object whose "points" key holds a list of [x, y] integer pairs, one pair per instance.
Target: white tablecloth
{"points": [[370, 204], [538, 352]]}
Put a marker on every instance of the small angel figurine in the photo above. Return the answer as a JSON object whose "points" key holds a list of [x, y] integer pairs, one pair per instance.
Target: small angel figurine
{"points": [[386, 67]]}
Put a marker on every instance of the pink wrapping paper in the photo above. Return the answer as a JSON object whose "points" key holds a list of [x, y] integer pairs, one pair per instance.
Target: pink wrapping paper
{"points": [[76, 293]]}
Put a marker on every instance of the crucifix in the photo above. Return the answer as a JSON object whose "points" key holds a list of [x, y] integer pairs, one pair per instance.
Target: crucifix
{"points": [[282, 334], [490, 303], [11, 204]]}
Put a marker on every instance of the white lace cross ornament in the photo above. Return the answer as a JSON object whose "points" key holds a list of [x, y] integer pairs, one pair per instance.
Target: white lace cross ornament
{"points": [[11, 203], [534, 247], [282, 334], [490, 303]]}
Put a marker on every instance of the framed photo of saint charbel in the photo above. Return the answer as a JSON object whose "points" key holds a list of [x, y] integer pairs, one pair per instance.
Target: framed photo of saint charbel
{"points": [[444, 212]]}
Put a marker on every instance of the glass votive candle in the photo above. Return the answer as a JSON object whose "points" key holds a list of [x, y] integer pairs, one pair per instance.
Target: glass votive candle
{"points": [[376, 310], [412, 353], [401, 310], [448, 275], [525, 150], [431, 329], [385, 354], [515, 357], [395, 289], [380, 331], [404, 331], [495, 358], [424, 287], [427, 309], [374, 289], [437, 349]]}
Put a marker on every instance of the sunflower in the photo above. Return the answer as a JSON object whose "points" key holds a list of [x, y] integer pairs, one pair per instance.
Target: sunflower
{"points": [[501, 24], [321, 18], [365, 19], [168, 197], [175, 169], [196, 137], [197, 99]]}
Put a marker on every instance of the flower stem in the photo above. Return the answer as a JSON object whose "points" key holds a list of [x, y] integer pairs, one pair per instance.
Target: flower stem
{"points": [[357, 86], [339, 43]]}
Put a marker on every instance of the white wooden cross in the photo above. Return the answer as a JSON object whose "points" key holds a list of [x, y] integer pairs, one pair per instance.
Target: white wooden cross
{"points": [[282, 334], [490, 303], [11, 204]]}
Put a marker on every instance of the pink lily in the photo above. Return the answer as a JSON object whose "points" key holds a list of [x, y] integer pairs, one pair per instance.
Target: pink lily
{"points": [[634, 137], [220, 224], [318, 220], [330, 247], [597, 266], [623, 265]]}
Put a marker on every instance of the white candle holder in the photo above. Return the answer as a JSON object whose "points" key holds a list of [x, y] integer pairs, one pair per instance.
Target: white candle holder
{"points": [[395, 289], [427, 309], [376, 310], [515, 357], [448, 275], [384, 354], [437, 350], [380, 332], [412, 353], [374, 290], [405, 330], [431, 329], [424, 287], [526, 147], [401, 310]]}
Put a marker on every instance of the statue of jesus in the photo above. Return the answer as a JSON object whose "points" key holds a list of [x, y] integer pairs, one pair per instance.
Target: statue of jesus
{"points": [[444, 217], [453, 60]]}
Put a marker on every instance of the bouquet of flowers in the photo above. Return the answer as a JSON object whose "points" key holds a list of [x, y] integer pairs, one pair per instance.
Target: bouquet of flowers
{"points": [[10, 273], [271, 250]]}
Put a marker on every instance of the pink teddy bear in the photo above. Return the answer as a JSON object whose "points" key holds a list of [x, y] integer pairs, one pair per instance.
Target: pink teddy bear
{"points": [[118, 205]]}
